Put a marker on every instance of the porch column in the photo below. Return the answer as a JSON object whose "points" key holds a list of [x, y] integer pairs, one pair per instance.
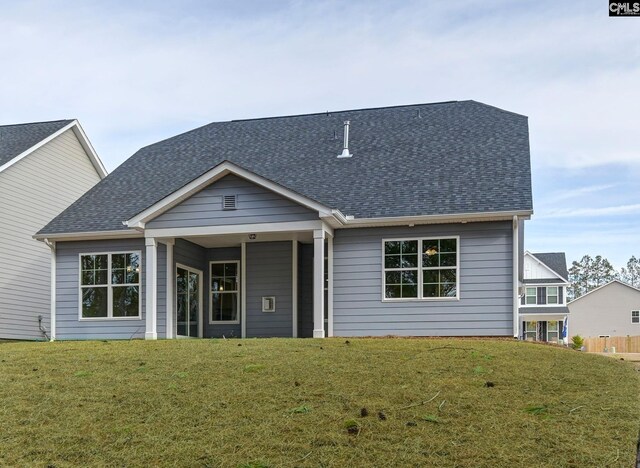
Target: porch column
{"points": [[169, 289], [318, 283], [151, 289], [330, 285]]}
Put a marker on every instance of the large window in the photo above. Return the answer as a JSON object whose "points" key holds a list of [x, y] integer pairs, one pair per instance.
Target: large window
{"points": [[552, 295], [531, 330], [225, 292], [110, 285], [420, 268], [635, 316], [553, 331]]}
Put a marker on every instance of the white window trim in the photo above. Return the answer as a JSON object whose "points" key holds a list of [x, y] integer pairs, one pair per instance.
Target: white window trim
{"points": [[638, 322], [557, 295], [420, 270], [545, 285], [224, 322], [557, 332], [109, 287], [535, 295]]}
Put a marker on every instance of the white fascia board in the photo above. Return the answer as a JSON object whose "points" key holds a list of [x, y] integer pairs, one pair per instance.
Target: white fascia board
{"points": [[89, 235], [40, 144], [213, 175], [82, 138], [238, 229], [438, 219], [88, 148], [545, 266]]}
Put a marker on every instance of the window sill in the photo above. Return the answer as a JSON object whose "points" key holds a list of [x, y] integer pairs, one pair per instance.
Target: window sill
{"points": [[106, 319], [424, 299], [224, 322]]}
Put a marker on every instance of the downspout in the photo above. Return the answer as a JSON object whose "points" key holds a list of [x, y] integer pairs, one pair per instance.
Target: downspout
{"points": [[52, 246], [516, 278]]}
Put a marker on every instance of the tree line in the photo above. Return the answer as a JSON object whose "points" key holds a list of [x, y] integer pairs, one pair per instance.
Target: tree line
{"points": [[592, 272]]}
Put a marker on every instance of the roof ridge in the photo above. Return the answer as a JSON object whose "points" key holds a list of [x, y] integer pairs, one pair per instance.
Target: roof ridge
{"points": [[34, 123], [295, 115], [328, 112]]}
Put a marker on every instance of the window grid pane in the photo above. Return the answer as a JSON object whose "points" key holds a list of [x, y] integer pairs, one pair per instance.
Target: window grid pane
{"points": [[224, 292], [438, 272]]}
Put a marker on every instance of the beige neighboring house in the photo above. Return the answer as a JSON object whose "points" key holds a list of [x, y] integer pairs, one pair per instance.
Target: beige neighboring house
{"points": [[610, 310], [44, 168]]}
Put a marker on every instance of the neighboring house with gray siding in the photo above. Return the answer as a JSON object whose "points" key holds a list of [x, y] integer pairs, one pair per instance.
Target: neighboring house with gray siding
{"points": [[543, 300], [610, 310], [44, 168], [402, 220]]}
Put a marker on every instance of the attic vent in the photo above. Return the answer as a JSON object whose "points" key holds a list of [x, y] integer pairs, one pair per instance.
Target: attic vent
{"points": [[229, 202]]}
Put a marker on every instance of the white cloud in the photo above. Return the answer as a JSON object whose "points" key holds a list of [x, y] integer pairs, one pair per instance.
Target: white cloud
{"points": [[591, 212]]}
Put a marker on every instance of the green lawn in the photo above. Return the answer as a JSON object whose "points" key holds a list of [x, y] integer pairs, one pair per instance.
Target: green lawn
{"points": [[286, 402]]}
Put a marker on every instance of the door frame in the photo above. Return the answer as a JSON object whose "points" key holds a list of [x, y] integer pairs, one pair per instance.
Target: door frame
{"points": [[200, 298]]}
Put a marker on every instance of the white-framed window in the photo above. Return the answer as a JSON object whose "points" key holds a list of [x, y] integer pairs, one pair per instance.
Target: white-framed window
{"points": [[530, 330], [552, 294], [530, 296], [110, 285], [635, 316], [553, 331], [420, 268], [224, 290]]}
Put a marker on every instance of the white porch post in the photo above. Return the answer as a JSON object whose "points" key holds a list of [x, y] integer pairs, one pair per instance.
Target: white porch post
{"points": [[330, 286], [516, 280], [169, 289], [294, 288], [318, 283], [243, 290], [151, 287], [52, 246]]}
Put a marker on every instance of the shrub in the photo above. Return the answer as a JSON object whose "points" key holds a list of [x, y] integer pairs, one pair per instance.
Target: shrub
{"points": [[577, 342]]}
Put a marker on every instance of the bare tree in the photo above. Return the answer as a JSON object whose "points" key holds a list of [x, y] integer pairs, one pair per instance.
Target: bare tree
{"points": [[631, 274]]}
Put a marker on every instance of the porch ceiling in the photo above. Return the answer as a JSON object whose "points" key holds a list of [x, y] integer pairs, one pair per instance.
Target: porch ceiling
{"points": [[234, 240]]}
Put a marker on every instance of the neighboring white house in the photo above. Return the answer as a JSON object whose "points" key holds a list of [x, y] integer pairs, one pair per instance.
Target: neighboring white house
{"points": [[610, 310], [543, 303], [44, 168]]}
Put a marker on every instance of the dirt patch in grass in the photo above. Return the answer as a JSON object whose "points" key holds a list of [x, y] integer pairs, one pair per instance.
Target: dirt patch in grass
{"points": [[285, 402]]}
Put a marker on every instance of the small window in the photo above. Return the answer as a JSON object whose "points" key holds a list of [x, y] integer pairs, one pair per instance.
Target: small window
{"points": [[552, 295], [635, 316], [531, 296], [530, 330], [229, 202]]}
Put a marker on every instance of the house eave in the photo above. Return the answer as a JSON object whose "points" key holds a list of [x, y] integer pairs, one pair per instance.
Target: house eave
{"points": [[437, 219], [90, 235]]}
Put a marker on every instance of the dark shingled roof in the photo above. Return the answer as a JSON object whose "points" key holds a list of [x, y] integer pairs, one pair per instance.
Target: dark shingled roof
{"points": [[556, 261], [426, 159], [16, 139]]}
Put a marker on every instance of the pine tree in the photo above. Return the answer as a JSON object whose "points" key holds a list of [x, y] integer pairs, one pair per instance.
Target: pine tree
{"points": [[631, 274]]}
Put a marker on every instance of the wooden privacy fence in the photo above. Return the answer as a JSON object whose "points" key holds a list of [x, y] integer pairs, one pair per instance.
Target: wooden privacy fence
{"points": [[622, 344]]}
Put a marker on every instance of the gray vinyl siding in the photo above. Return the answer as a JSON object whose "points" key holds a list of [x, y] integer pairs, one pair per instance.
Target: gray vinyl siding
{"points": [[255, 204], [68, 324], [305, 291], [225, 329], [32, 192], [269, 266], [485, 307]]}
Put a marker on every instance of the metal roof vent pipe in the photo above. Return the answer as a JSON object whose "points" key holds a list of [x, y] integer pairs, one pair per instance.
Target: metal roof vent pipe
{"points": [[345, 147]]}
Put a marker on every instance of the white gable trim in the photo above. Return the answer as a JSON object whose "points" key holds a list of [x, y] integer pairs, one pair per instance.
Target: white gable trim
{"points": [[82, 138], [217, 173], [603, 286], [545, 266]]}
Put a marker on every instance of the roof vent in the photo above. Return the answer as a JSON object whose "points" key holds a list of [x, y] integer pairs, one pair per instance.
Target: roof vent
{"points": [[345, 146], [229, 202]]}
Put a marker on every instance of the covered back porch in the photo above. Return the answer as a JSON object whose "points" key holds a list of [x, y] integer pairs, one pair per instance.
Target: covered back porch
{"points": [[260, 280]]}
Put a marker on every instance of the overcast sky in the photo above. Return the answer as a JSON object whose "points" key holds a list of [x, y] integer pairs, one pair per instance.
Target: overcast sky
{"points": [[137, 72]]}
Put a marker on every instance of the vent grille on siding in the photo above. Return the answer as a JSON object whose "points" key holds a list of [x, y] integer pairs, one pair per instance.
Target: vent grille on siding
{"points": [[229, 202]]}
